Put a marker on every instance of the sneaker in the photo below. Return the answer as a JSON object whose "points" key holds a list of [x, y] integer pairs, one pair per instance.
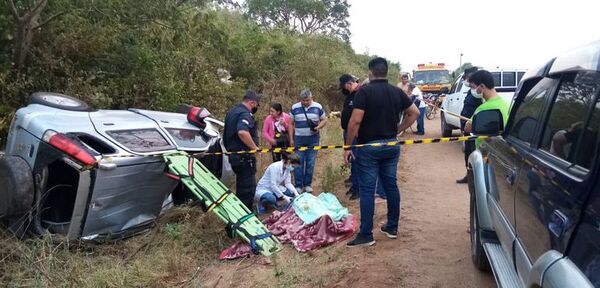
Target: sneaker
{"points": [[361, 241], [308, 189], [354, 196], [464, 180], [390, 233], [299, 190]]}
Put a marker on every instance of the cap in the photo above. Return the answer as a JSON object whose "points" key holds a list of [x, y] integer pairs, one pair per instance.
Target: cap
{"points": [[305, 93], [345, 78], [251, 95]]}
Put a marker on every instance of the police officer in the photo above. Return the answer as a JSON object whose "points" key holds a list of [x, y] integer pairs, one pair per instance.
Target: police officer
{"points": [[470, 104], [240, 134]]}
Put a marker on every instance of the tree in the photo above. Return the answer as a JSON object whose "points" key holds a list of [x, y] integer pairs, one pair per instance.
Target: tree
{"points": [[26, 24], [306, 16], [461, 69]]}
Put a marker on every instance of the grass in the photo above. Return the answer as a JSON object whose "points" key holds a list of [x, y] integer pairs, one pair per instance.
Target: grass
{"points": [[181, 250]]}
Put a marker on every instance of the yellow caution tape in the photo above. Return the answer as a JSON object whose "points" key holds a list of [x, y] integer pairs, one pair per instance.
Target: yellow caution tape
{"points": [[326, 147]]}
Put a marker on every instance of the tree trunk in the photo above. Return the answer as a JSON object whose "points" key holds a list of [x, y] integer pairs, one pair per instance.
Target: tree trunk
{"points": [[24, 30]]}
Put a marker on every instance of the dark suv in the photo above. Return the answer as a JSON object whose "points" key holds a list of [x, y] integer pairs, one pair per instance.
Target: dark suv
{"points": [[535, 190]]}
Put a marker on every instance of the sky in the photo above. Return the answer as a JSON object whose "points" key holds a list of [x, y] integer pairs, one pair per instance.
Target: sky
{"points": [[500, 33]]}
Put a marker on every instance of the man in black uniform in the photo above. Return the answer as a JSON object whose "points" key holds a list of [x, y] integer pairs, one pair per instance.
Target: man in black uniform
{"points": [[349, 85], [240, 134], [469, 105]]}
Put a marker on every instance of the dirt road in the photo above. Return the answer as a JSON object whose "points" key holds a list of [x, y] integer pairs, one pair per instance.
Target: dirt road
{"points": [[433, 244], [432, 249]]}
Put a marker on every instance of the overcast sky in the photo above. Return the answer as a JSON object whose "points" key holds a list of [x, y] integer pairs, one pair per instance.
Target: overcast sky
{"points": [[505, 33]]}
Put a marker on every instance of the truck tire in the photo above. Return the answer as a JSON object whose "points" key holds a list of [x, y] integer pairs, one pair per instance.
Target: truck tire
{"points": [[478, 255], [16, 186], [60, 101], [446, 129]]}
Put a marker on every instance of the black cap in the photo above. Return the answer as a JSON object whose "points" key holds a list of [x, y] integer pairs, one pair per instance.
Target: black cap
{"points": [[345, 78], [251, 95]]}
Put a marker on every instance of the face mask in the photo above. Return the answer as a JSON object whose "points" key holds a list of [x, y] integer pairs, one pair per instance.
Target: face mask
{"points": [[254, 110], [289, 168], [475, 94]]}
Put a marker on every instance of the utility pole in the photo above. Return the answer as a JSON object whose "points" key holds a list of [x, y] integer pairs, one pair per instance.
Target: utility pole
{"points": [[460, 62]]}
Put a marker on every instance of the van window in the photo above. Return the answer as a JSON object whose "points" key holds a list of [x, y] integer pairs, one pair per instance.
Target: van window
{"points": [[520, 76], [508, 79], [528, 113], [566, 135], [497, 82]]}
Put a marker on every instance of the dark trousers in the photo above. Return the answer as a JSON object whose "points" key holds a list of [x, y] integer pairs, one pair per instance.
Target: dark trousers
{"points": [[421, 120], [279, 144], [378, 163], [245, 181], [469, 148]]}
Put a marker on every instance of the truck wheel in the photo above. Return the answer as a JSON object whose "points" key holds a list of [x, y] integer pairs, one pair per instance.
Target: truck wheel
{"points": [[478, 255], [60, 101], [446, 130], [16, 186]]}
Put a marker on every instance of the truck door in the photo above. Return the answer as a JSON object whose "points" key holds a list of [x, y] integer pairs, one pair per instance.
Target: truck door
{"points": [[553, 183]]}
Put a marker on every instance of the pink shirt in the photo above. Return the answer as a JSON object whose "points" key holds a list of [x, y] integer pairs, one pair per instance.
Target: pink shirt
{"points": [[268, 130]]}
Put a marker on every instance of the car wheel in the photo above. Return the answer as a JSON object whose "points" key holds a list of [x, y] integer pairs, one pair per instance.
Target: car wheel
{"points": [[478, 255], [446, 130], [16, 186], [60, 101]]}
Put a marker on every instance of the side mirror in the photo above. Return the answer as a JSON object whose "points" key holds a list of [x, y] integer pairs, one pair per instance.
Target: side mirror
{"points": [[488, 123]]}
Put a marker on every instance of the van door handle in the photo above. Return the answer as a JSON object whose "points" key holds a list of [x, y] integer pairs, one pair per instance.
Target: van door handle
{"points": [[557, 224]]}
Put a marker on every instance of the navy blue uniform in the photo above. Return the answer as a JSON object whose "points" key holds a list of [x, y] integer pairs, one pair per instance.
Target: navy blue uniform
{"points": [[239, 118], [469, 105]]}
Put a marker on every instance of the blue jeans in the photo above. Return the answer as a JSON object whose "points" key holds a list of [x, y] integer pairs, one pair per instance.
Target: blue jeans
{"points": [[269, 199], [354, 171], [420, 120], [379, 162], [304, 173]]}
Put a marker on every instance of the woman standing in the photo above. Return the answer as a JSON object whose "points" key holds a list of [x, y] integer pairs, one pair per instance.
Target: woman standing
{"points": [[276, 129]]}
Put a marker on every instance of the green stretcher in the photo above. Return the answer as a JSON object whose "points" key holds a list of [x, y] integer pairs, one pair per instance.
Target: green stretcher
{"points": [[214, 196]]}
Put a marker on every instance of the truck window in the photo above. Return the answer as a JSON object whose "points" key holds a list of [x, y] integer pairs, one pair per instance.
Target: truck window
{"points": [[566, 135], [508, 79], [497, 82], [520, 76], [528, 113]]}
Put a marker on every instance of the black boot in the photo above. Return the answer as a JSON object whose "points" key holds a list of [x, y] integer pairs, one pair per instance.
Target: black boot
{"points": [[464, 180]]}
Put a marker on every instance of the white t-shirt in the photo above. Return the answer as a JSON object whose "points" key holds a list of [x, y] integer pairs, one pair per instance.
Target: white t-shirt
{"points": [[272, 180]]}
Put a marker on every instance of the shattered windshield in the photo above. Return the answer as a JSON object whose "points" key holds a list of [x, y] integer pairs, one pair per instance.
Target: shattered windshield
{"points": [[187, 138], [142, 140], [432, 77]]}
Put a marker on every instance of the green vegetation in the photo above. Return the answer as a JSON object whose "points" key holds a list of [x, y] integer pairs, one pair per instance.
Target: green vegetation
{"points": [[156, 55]]}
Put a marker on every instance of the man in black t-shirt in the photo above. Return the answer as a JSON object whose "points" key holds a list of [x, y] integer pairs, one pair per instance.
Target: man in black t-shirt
{"points": [[349, 86], [375, 118]]}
